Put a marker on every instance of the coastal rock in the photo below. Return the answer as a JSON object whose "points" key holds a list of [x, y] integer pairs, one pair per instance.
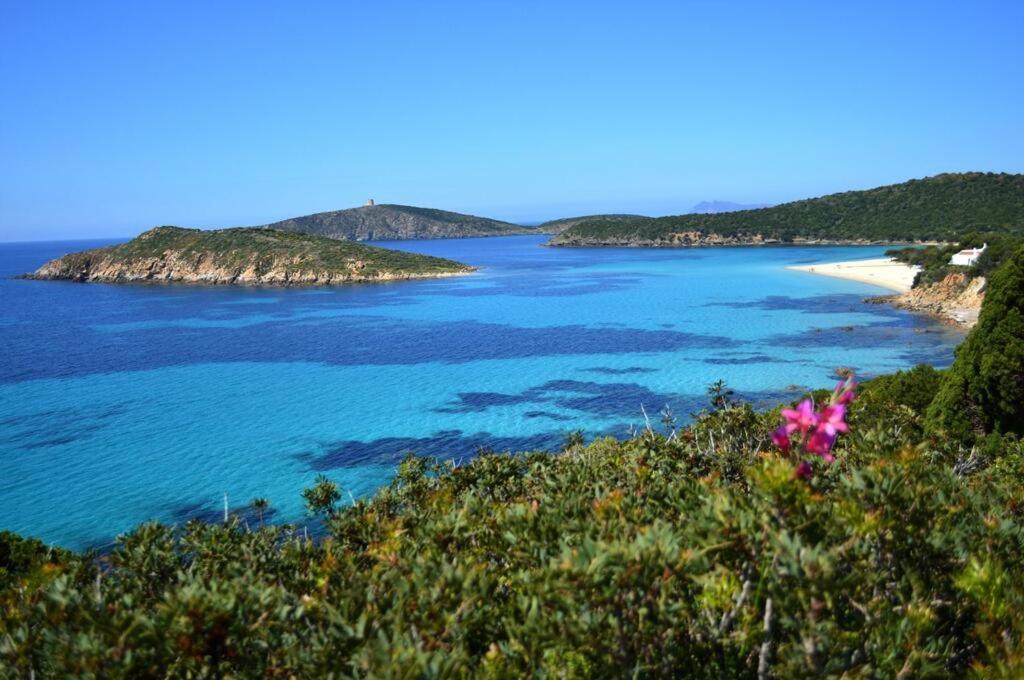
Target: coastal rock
{"points": [[955, 299]]}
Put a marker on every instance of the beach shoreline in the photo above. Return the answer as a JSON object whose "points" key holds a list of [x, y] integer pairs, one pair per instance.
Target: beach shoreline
{"points": [[884, 272]]}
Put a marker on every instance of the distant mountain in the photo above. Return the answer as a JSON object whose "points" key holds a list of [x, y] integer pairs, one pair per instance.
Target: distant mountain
{"points": [[245, 256], [397, 222], [939, 208], [711, 207], [560, 225]]}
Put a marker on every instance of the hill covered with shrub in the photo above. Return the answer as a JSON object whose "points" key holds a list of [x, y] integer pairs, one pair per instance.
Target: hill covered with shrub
{"points": [[939, 208], [387, 222], [243, 257]]}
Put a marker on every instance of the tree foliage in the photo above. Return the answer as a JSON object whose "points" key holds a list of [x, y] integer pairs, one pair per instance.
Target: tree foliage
{"points": [[983, 392]]}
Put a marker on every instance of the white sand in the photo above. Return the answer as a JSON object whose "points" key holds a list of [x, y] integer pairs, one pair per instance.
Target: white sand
{"points": [[885, 272]]}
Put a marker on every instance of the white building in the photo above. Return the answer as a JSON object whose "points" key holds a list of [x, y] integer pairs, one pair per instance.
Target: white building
{"points": [[967, 258]]}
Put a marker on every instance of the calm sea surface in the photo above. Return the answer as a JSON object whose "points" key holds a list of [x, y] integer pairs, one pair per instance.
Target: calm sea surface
{"points": [[124, 403]]}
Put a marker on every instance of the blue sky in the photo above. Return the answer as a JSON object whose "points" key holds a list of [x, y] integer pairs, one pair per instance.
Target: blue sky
{"points": [[120, 116]]}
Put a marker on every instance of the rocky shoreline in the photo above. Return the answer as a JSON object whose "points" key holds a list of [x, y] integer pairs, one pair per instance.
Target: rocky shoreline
{"points": [[696, 239], [955, 300], [201, 271]]}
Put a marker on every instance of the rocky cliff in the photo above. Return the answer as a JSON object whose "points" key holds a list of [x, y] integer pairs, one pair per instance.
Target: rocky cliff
{"points": [[955, 299], [395, 222], [243, 257]]}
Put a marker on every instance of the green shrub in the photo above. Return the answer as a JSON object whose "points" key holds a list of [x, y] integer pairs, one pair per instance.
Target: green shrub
{"points": [[24, 557]]}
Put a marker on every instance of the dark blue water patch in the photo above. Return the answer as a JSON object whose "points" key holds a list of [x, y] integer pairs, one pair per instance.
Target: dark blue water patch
{"points": [[47, 443], [44, 429], [208, 513], [345, 341], [630, 370], [549, 416], [611, 399], [447, 444], [815, 304], [476, 402], [739, 361], [899, 331], [627, 400]]}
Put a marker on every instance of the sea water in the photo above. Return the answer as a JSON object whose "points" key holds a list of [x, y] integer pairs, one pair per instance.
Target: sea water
{"points": [[122, 403]]}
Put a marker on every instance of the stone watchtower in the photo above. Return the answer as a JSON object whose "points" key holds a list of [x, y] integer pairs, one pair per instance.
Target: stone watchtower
{"points": [[370, 202]]}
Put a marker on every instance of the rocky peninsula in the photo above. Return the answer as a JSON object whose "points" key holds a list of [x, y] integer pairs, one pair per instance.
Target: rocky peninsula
{"points": [[245, 256]]}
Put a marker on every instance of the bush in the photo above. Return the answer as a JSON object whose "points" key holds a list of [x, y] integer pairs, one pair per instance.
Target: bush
{"points": [[897, 400]]}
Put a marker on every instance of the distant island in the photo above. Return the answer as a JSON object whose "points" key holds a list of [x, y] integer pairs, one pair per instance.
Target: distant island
{"points": [[712, 207], [939, 208], [243, 256], [397, 222]]}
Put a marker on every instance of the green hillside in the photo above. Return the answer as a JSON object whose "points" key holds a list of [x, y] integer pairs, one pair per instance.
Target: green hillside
{"points": [[939, 208]]}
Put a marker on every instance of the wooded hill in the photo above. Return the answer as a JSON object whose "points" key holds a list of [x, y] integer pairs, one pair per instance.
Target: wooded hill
{"points": [[939, 208]]}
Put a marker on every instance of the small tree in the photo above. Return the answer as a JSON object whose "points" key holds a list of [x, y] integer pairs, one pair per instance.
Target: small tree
{"points": [[322, 497], [574, 440], [260, 505], [720, 395], [983, 391]]}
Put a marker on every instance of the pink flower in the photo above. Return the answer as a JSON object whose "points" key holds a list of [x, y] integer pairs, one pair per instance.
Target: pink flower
{"points": [[780, 438], [832, 420], [818, 431], [801, 418], [844, 393], [820, 444]]}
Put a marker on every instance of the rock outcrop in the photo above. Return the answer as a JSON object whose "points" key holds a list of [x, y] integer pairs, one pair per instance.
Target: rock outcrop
{"points": [[955, 299]]}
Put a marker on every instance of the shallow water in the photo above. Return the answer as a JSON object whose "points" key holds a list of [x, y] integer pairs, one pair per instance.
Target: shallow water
{"points": [[123, 403]]}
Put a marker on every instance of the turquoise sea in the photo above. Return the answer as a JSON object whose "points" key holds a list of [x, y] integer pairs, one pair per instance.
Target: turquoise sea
{"points": [[124, 403]]}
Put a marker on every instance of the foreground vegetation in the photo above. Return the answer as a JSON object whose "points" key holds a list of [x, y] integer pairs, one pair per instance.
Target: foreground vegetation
{"points": [[872, 537], [940, 208]]}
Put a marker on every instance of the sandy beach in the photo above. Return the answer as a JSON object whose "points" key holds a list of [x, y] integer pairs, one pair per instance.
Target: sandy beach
{"points": [[885, 272]]}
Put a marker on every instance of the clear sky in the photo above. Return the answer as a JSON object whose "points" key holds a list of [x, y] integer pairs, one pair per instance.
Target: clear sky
{"points": [[117, 116]]}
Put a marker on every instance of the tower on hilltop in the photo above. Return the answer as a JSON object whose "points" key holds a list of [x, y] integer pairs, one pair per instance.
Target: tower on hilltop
{"points": [[370, 202]]}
